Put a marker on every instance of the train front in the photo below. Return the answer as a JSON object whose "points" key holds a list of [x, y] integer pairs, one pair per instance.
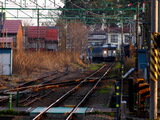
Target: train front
{"points": [[109, 52]]}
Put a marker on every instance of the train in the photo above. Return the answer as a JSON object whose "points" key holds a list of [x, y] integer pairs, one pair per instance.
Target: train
{"points": [[104, 52]]}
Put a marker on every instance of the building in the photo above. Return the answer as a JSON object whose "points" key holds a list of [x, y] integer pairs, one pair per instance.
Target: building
{"points": [[112, 35], [41, 38], [35, 37], [12, 34], [97, 38], [51, 41], [6, 42], [115, 36]]}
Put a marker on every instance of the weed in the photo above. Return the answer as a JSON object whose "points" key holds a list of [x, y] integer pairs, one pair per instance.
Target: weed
{"points": [[95, 66], [106, 89], [28, 62], [8, 112], [104, 113]]}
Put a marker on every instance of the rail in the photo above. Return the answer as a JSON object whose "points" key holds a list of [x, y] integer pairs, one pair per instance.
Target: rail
{"points": [[71, 91], [76, 107]]}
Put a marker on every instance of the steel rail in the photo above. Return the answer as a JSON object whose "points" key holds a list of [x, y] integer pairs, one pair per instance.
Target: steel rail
{"points": [[66, 94], [22, 87], [44, 86], [84, 98]]}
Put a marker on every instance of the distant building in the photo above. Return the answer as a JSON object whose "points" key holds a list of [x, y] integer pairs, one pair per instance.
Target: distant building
{"points": [[6, 42], [97, 38], [115, 36], [12, 34], [41, 38], [111, 35], [52, 39]]}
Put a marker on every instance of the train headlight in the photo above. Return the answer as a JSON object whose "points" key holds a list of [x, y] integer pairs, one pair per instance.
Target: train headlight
{"points": [[114, 51], [104, 52]]}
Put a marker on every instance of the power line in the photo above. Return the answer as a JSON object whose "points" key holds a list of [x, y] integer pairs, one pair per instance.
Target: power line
{"points": [[81, 16]]}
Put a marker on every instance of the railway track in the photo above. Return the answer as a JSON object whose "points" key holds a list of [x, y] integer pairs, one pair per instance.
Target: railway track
{"points": [[29, 89], [77, 95], [38, 82]]}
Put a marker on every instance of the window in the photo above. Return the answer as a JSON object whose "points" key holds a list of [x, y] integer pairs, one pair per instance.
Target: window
{"points": [[114, 38], [126, 38]]}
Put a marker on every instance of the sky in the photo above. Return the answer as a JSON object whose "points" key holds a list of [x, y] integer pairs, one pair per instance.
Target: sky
{"points": [[26, 15]]}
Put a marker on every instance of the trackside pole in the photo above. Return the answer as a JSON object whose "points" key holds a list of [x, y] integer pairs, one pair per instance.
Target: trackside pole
{"points": [[10, 101], [17, 100], [117, 100]]}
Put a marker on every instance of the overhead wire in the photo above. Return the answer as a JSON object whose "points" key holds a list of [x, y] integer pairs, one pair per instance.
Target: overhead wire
{"points": [[20, 9], [98, 16]]}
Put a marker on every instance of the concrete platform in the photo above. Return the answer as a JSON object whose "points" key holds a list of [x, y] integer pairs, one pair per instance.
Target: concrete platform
{"points": [[59, 112]]}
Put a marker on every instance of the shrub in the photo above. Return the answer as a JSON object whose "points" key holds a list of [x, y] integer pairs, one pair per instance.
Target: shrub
{"points": [[8, 112], [129, 63]]}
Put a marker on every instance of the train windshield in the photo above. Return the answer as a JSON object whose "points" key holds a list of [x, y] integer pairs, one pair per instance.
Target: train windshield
{"points": [[96, 43]]}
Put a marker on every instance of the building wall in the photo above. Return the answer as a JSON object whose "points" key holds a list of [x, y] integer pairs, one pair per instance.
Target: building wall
{"points": [[119, 41], [108, 39], [19, 39]]}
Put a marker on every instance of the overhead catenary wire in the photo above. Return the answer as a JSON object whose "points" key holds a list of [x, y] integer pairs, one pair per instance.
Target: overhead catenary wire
{"points": [[90, 11]]}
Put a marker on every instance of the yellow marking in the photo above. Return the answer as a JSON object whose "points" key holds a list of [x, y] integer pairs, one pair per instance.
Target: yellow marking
{"points": [[140, 79], [117, 87], [117, 105], [117, 94], [144, 90], [142, 84]]}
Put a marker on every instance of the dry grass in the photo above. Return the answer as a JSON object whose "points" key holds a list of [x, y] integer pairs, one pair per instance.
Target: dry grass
{"points": [[129, 63], [28, 62]]}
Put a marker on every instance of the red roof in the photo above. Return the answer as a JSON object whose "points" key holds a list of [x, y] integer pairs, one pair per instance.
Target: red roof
{"points": [[11, 26], [8, 39], [35, 32], [52, 34]]}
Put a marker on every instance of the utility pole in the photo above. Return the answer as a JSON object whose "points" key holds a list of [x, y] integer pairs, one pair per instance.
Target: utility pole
{"points": [[2, 17], [137, 40], [122, 71], [153, 63], [38, 31], [158, 15]]}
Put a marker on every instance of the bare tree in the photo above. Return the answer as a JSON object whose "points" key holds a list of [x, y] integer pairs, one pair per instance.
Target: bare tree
{"points": [[62, 35], [77, 34], [27, 23]]}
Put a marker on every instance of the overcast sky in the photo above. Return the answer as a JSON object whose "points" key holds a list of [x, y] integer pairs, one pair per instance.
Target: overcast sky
{"points": [[53, 4]]}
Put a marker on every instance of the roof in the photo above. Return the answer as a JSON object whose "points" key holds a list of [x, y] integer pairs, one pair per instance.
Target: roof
{"points": [[8, 39], [35, 31], [52, 35], [11, 26]]}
